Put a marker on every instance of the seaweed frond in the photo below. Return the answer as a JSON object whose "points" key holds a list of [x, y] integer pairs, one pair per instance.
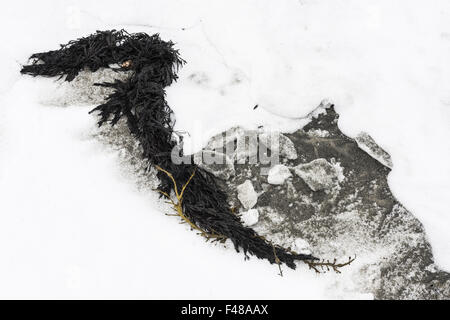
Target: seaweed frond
{"points": [[140, 99], [326, 265], [277, 260], [177, 205]]}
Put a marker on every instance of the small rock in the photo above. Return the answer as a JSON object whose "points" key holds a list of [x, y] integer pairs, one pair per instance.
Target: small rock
{"points": [[247, 194], [278, 174], [250, 217], [318, 174]]}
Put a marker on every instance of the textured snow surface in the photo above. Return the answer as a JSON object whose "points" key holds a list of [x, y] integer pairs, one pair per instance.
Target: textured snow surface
{"points": [[384, 64]]}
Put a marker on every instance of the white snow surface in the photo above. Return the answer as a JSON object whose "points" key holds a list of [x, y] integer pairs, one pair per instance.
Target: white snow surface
{"points": [[72, 226]]}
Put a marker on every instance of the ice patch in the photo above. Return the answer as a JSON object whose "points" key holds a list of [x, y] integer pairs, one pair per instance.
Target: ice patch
{"points": [[247, 194]]}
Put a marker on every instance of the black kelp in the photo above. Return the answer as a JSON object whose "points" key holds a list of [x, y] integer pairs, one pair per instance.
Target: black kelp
{"points": [[141, 101]]}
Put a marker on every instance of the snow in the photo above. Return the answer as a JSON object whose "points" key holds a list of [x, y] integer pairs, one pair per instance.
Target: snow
{"points": [[72, 226]]}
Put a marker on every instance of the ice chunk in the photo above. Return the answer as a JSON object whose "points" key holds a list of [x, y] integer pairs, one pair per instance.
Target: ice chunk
{"points": [[247, 194], [278, 174], [318, 174], [279, 143], [368, 144], [216, 163], [247, 147], [250, 217]]}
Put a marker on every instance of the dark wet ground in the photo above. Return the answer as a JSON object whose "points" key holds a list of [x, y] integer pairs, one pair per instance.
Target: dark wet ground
{"points": [[359, 216]]}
